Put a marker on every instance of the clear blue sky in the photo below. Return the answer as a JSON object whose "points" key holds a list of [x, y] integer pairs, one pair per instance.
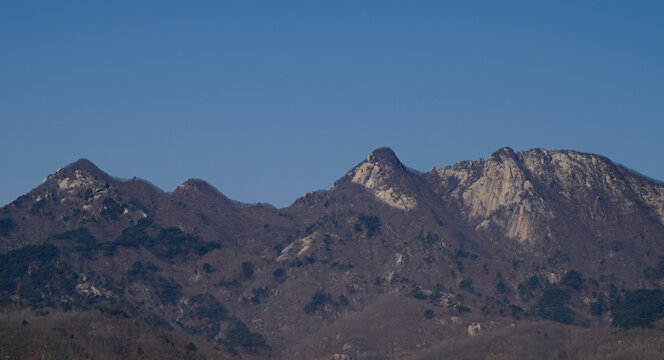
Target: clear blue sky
{"points": [[268, 100]]}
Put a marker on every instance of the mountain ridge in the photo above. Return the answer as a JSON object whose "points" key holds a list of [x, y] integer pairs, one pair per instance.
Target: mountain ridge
{"points": [[519, 238], [383, 155]]}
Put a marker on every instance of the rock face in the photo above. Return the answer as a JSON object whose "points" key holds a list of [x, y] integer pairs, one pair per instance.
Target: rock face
{"points": [[522, 195], [383, 175], [496, 192], [383, 265]]}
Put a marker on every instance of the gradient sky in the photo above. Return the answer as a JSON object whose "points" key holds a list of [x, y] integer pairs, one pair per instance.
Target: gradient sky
{"points": [[267, 100]]}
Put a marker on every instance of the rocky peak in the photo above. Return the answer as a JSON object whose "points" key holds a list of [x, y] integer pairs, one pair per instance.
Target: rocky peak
{"points": [[194, 185], [85, 165], [197, 186], [512, 191], [384, 156], [197, 189], [571, 171], [379, 168], [383, 174], [80, 193], [78, 176], [582, 177], [506, 153]]}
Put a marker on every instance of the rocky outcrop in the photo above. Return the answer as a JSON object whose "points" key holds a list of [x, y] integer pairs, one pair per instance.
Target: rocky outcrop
{"points": [[513, 193], [381, 173], [493, 192], [82, 190], [384, 264]]}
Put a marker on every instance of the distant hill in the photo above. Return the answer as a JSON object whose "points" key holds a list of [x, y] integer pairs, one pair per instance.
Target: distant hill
{"points": [[388, 263]]}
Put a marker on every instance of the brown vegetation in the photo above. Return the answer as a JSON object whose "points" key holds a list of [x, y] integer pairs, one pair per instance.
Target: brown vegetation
{"points": [[389, 263], [548, 340], [51, 334]]}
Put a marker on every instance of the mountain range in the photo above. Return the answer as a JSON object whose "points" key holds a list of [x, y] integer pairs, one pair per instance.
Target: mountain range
{"points": [[559, 254]]}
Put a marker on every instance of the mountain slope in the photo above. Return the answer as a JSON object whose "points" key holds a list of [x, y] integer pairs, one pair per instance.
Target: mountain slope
{"points": [[385, 264]]}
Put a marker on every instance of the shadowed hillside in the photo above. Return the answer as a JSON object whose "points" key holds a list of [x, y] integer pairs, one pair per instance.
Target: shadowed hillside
{"points": [[388, 263]]}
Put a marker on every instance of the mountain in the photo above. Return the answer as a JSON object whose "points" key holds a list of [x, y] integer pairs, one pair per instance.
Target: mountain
{"points": [[388, 263]]}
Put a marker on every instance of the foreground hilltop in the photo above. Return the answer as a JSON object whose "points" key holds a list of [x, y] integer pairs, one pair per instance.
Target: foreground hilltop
{"points": [[388, 263]]}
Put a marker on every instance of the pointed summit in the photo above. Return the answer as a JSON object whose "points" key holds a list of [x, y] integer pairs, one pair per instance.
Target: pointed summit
{"points": [[78, 180], [197, 185], [86, 166], [385, 176], [82, 163], [201, 190], [384, 156], [382, 163], [504, 153], [81, 169]]}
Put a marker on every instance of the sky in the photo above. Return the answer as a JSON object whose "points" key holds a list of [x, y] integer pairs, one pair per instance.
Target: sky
{"points": [[268, 100]]}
